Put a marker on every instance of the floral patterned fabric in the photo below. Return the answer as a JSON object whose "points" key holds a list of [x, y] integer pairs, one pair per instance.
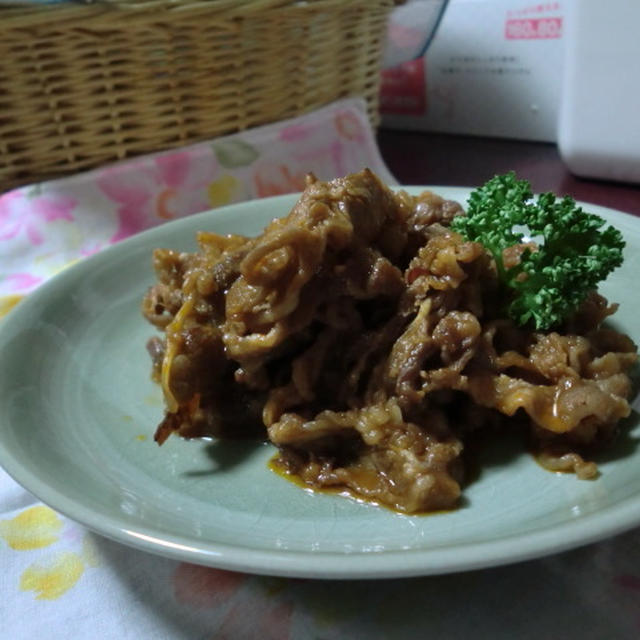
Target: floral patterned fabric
{"points": [[60, 581], [45, 227]]}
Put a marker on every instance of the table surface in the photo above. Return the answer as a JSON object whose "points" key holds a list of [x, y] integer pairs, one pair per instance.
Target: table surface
{"points": [[439, 159]]}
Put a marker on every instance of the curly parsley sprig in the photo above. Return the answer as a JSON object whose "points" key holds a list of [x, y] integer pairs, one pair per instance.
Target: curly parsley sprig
{"points": [[572, 254]]}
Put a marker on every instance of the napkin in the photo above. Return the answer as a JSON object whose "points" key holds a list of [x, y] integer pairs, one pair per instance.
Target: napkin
{"points": [[48, 226]]}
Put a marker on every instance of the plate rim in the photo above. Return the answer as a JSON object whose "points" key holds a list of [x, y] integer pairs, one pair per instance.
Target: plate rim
{"points": [[589, 528]]}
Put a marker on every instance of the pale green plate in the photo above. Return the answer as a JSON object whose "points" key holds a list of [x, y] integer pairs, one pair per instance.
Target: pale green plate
{"points": [[78, 411]]}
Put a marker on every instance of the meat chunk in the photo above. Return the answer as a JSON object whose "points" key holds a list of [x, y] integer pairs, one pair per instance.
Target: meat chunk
{"points": [[365, 340]]}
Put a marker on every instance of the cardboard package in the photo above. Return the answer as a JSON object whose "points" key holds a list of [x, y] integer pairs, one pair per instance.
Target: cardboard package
{"points": [[494, 68]]}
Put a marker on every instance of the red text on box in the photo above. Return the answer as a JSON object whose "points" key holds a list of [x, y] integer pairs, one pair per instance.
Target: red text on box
{"points": [[533, 28]]}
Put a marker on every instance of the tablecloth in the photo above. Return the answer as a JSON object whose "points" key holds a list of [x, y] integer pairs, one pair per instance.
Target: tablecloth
{"points": [[60, 581]]}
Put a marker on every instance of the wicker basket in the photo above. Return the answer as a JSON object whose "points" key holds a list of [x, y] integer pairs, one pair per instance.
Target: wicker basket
{"points": [[86, 84]]}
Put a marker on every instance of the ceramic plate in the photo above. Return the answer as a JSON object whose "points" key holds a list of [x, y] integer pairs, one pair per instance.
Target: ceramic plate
{"points": [[78, 412]]}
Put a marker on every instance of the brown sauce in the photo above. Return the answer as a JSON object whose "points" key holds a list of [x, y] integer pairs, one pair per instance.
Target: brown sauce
{"points": [[275, 466]]}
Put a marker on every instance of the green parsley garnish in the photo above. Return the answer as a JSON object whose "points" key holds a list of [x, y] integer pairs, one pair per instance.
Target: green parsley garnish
{"points": [[572, 251]]}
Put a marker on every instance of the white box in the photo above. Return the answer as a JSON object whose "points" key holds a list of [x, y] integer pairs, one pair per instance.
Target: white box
{"points": [[599, 127], [494, 68]]}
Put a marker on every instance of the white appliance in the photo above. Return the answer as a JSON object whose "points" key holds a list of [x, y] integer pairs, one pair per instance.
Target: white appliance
{"points": [[599, 122]]}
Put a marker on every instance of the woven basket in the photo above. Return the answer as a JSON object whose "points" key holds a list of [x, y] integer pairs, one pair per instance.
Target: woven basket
{"points": [[83, 85]]}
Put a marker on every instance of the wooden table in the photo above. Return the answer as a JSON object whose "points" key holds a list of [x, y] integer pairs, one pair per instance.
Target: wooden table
{"points": [[439, 159]]}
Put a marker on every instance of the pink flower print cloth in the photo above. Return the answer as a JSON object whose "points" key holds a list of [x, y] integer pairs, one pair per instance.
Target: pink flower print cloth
{"points": [[47, 226]]}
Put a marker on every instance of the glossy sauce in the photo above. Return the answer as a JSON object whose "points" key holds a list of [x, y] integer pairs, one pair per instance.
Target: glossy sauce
{"points": [[278, 468]]}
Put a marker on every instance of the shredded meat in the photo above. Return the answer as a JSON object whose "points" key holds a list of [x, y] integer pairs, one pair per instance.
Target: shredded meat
{"points": [[364, 338]]}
